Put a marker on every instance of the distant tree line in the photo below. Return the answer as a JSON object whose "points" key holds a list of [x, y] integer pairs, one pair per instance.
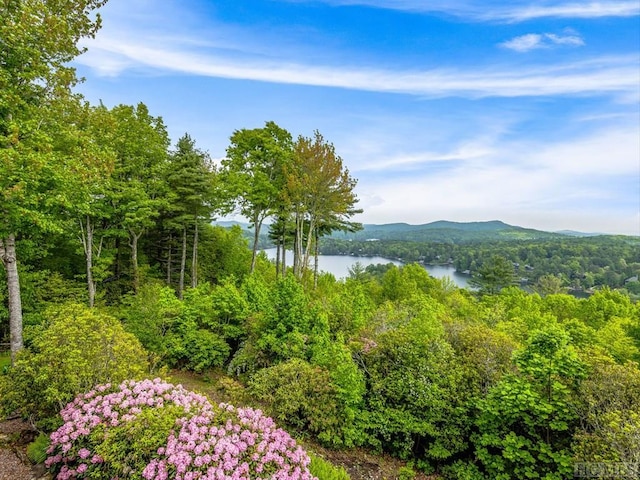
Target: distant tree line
{"points": [[579, 262]]}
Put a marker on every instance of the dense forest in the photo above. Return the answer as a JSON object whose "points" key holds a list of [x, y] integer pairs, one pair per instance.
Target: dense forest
{"points": [[579, 263], [116, 279]]}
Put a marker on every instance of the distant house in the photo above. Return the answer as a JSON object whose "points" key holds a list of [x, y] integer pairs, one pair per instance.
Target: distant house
{"points": [[631, 279]]}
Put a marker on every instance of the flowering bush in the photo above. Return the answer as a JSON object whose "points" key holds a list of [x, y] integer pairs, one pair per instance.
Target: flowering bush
{"points": [[80, 347], [156, 430]]}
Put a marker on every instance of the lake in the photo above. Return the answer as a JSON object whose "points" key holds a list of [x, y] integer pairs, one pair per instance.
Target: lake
{"points": [[339, 266]]}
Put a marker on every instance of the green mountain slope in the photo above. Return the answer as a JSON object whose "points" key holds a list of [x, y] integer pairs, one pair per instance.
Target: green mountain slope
{"points": [[449, 232]]}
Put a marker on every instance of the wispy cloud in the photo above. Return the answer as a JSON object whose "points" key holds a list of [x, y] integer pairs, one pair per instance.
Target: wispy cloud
{"points": [[540, 184], [492, 11], [532, 41], [567, 10], [605, 75]]}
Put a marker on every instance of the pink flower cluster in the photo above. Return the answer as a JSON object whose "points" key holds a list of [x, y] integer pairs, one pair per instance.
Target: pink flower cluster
{"points": [[206, 443]]}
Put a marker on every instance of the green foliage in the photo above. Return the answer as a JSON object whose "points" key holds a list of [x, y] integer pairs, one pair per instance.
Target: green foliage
{"points": [[5, 362], [526, 421], [282, 331], [301, 396], [198, 349], [485, 355], [610, 412], [223, 254], [548, 285], [493, 275], [324, 470], [151, 316], [605, 304], [129, 447], [349, 382], [349, 309], [414, 397], [182, 334], [406, 473], [614, 337], [78, 348], [37, 450]]}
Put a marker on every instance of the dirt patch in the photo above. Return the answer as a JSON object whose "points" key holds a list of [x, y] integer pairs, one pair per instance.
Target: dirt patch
{"points": [[363, 465], [15, 435]]}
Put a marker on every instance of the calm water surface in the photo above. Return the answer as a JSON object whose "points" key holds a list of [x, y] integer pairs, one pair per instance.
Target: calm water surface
{"points": [[339, 266]]}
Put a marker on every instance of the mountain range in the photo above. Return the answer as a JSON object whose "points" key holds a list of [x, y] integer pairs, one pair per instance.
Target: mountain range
{"points": [[442, 231]]}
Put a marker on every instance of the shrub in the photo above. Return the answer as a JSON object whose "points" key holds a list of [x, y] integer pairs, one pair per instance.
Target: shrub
{"points": [[303, 396], [37, 450], [79, 348], [155, 430], [324, 470], [406, 473]]}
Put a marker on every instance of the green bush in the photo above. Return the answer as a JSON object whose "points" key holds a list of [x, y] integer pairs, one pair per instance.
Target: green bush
{"points": [[77, 348], [406, 473], [526, 422], [301, 396], [201, 350], [323, 470], [182, 334], [37, 450]]}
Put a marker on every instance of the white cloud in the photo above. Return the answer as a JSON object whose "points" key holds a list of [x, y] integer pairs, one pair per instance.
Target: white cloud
{"points": [[531, 41], [524, 43], [605, 75], [495, 11], [567, 184], [568, 10], [572, 40]]}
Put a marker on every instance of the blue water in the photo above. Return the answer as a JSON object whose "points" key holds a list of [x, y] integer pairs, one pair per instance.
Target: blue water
{"points": [[339, 266]]}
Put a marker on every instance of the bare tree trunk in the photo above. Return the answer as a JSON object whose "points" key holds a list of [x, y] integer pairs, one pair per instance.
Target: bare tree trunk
{"points": [[284, 255], [169, 259], [278, 246], [9, 260], [194, 258], [87, 244], [298, 266], [315, 264], [183, 263], [134, 260], [257, 224], [307, 250]]}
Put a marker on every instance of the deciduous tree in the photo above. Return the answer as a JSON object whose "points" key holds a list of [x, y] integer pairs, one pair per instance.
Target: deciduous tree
{"points": [[37, 41], [253, 171]]}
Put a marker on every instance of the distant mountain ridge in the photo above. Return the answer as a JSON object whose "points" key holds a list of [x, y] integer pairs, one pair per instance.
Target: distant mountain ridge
{"points": [[440, 231], [447, 231]]}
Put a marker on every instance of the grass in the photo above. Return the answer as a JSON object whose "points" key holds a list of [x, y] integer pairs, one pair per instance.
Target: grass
{"points": [[5, 360]]}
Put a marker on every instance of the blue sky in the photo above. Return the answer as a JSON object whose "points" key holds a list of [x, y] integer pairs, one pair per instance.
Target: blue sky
{"points": [[526, 112]]}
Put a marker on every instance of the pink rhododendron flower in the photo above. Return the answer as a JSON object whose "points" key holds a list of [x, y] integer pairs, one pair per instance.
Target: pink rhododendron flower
{"points": [[205, 443]]}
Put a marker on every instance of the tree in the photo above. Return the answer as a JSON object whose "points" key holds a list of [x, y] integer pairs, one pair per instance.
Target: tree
{"points": [[321, 194], [526, 421], [610, 412], [95, 132], [493, 275], [190, 183], [79, 348], [37, 41], [140, 143], [253, 173], [548, 285]]}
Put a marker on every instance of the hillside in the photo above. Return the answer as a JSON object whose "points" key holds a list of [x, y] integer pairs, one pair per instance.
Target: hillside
{"points": [[447, 232]]}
